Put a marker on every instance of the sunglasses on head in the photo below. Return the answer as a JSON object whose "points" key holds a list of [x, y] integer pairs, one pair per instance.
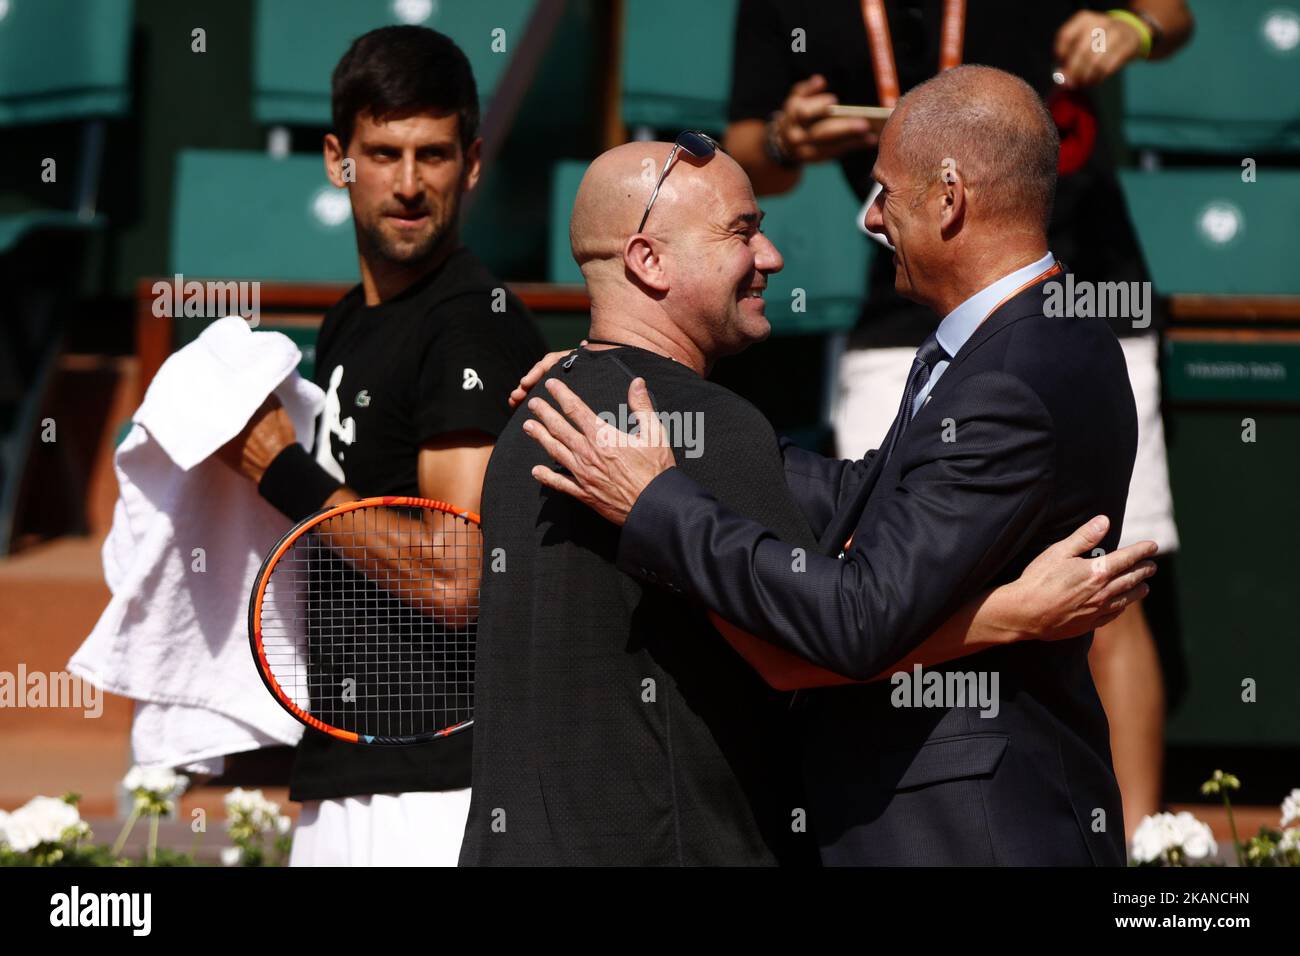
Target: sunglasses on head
{"points": [[694, 142]]}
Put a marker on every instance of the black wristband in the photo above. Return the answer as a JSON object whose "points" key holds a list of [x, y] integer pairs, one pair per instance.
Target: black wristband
{"points": [[295, 484]]}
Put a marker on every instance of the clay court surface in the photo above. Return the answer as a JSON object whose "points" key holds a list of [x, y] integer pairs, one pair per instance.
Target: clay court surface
{"points": [[52, 595]]}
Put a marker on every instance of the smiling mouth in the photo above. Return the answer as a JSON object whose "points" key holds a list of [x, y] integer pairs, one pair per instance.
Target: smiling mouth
{"points": [[755, 294]]}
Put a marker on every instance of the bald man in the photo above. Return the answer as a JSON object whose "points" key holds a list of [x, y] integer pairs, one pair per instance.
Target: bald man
{"points": [[613, 725], [1015, 426]]}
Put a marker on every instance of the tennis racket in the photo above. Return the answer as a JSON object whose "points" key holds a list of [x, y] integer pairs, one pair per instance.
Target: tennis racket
{"points": [[362, 620]]}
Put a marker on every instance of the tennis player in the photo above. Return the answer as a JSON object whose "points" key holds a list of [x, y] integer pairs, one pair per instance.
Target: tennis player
{"points": [[613, 725], [417, 362]]}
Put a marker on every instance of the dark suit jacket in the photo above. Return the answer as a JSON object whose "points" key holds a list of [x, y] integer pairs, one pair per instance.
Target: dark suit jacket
{"points": [[1030, 431]]}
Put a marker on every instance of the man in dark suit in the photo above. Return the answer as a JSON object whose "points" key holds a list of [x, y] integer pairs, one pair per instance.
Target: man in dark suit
{"points": [[1017, 425]]}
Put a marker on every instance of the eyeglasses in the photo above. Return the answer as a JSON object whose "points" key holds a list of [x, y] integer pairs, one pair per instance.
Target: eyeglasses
{"points": [[694, 142]]}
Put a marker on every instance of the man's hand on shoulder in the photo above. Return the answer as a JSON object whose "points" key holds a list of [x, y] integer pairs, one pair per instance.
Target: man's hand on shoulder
{"points": [[608, 469], [267, 434]]}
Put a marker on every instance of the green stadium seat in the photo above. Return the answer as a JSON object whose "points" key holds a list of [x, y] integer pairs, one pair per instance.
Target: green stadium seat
{"points": [[826, 255], [16, 225], [813, 226], [245, 215], [63, 60], [249, 216], [565, 178], [298, 42], [1238, 616], [89, 82], [1204, 231], [1235, 87], [677, 64]]}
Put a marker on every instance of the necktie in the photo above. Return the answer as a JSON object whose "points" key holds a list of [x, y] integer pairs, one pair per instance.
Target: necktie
{"points": [[927, 356]]}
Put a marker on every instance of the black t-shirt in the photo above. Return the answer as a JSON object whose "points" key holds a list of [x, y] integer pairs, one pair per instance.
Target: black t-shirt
{"points": [[440, 357], [1090, 229], [613, 724]]}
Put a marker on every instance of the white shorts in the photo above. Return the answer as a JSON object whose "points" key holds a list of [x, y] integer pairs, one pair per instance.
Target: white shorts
{"points": [[871, 383], [384, 829]]}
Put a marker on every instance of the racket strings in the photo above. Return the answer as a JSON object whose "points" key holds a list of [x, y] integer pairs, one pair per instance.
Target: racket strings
{"points": [[368, 621]]}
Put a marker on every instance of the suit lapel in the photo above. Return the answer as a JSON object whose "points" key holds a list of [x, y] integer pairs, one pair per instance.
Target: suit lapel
{"points": [[846, 519], [1027, 303]]}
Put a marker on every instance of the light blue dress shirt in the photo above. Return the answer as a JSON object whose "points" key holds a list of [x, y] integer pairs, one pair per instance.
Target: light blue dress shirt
{"points": [[960, 324]]}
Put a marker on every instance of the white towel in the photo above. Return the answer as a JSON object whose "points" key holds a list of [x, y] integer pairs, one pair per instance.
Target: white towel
{"points": [[188, 537]]}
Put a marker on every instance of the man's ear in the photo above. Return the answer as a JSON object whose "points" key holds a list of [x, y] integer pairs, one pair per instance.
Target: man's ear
{"points": [[952, 198], [644, 263], [333, 152], [473, 164]]}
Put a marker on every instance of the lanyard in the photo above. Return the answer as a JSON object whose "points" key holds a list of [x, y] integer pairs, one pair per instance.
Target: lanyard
{"points": [[1055, 268], [952, 34]]}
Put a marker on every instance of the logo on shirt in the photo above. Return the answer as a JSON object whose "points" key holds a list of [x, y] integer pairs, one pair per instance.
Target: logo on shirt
{"points": [[333, 425], [471, 380], [363, 399]]}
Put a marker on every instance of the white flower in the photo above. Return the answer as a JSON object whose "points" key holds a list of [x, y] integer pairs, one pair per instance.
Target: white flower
{"points": [[1151, 839], [247, 801], [1195, 837], [1290, 840], [40, 820], [161, 783], [155, 789], [251, 808], [282, 824], [20, 836], [231, 855], [1157, 835], [16, 833], [1291, 808], [239, 799]]}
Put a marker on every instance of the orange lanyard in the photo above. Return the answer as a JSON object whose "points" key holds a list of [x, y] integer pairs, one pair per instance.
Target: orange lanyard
{"points": [[952, 34], [1056, 267]]}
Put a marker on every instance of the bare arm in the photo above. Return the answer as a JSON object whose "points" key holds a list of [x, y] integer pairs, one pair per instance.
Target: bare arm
{"points": [[803, 130], [1175, 21], [744, 142], [433, 560]]}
